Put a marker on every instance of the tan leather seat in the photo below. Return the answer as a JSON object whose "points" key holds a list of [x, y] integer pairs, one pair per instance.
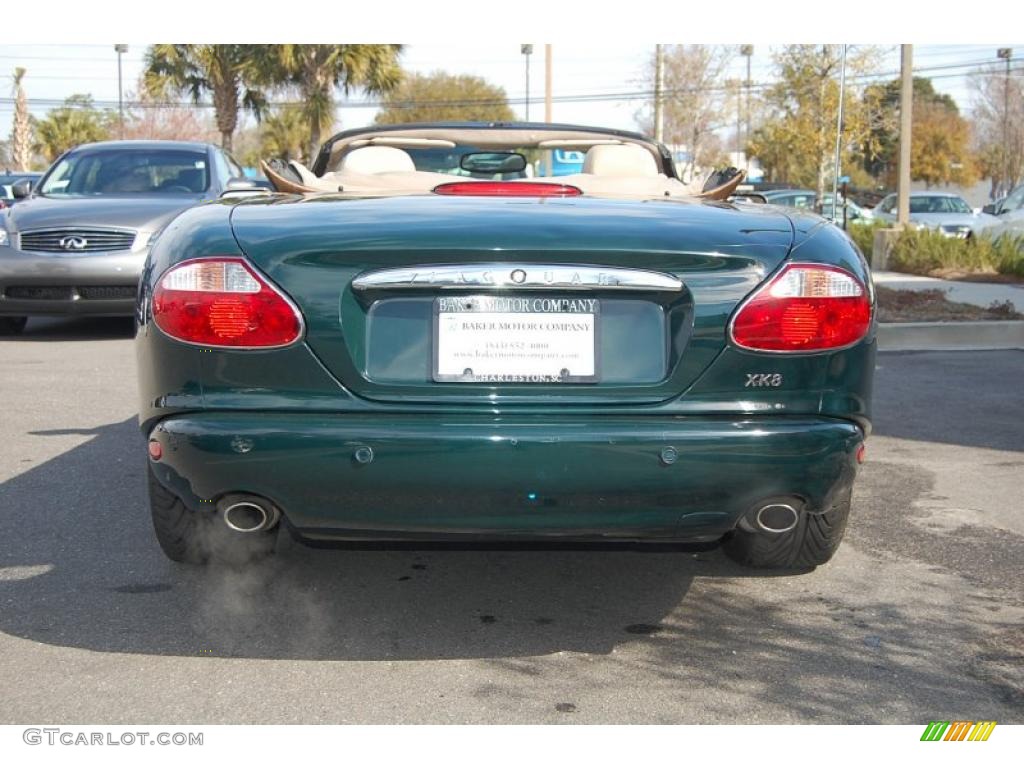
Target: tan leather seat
{"points": [[373, 160], [619, 160]]}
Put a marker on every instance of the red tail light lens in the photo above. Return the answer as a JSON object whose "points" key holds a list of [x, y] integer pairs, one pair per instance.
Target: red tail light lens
{"points": [[508, 189], [805, 308], [222, 302]]}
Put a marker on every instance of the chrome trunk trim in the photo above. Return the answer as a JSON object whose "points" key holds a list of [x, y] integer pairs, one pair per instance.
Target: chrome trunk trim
{"points": [[502, 276]]}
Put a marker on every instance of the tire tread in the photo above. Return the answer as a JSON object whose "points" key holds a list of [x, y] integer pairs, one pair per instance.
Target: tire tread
{"points": [[811, 543], [188, 536]]}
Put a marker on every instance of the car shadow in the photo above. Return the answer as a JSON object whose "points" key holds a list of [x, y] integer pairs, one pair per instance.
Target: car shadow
{"points": [[79, 566], [75, 329]]}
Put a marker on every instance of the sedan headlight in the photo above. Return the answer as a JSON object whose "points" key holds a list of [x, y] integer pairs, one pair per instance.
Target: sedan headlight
{"points": [[4, 239], [955, 230]]}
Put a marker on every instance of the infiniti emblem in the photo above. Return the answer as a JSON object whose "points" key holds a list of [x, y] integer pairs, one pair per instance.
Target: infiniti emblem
{"points": [[518, 276], [72, 243]]}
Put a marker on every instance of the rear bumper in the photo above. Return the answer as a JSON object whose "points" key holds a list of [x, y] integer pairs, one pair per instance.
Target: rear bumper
{"points": [[57, 284], [442, 476]]}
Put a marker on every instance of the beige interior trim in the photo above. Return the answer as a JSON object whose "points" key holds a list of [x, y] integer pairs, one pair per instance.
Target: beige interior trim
{"points": [[575, 143], [402, 141]]}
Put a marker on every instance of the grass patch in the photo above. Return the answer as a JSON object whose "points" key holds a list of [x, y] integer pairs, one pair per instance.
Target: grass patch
{"points": [[925, 252]]}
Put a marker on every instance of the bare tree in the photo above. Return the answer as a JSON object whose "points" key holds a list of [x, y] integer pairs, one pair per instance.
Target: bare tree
{"points": [[997, 103], [694, 101], [153, 118]]}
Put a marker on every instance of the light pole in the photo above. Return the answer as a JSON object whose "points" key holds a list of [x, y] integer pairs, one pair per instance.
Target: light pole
{"points": [[1006, 54], [747, 51], [121, 48], [526, 49]]}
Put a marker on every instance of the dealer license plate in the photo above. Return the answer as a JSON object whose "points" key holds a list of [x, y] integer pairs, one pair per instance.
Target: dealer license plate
{"points": [[515, 339]]}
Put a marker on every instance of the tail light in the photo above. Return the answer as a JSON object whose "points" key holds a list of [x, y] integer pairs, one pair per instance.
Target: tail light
{"points": [[222, 302], [805, 308], [508, 189]]}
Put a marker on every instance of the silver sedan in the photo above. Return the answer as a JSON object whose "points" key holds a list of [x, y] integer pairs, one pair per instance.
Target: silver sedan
{"points": [[76, 243], [944, 212]]}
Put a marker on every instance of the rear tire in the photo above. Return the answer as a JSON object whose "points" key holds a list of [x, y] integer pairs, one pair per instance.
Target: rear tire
{"points": [[12, 326], [188, 536], [811, 543]]}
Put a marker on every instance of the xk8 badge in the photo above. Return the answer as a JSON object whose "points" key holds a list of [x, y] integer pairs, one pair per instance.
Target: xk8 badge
{"points": [[763, 380]]}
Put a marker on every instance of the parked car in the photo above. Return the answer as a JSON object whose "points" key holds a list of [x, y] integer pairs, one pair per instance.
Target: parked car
{"points": [[7, 182], [418, 355], [944, 212], [804, 199], [77, 242], [1009, 214]]}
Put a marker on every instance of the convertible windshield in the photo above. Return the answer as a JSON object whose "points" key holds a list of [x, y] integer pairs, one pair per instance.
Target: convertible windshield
{"points": [[129, 171], [449, 160], [938, 204]]}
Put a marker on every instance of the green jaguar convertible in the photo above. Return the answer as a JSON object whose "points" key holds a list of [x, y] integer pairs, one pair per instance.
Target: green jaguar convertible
{"points": [[502, 332]]}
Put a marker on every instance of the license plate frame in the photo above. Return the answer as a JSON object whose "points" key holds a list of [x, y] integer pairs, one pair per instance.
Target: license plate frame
{"points": [[515, 308]]}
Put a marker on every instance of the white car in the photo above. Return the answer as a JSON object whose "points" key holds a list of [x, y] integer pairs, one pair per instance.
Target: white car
{"points": [[945, 212], [1009, 213]]}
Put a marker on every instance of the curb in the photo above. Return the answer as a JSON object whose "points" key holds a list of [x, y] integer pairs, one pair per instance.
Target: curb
{"points": [[942, 337]]}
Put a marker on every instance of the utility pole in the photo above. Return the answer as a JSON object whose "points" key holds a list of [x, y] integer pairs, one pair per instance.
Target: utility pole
{"points": [[739, 109], [659, 89], [547, 82], [1006, 54], [906, 123], [526, 49], [121, 48], [839, 137], [747, 51]]}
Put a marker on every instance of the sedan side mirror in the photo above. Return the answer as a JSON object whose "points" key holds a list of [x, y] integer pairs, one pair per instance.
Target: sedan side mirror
{"points": [[240, 184], [990, 208], [239, 187], [21, 189]]}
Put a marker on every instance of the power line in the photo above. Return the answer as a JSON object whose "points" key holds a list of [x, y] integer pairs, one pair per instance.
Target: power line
{"points": [[633, 95]]}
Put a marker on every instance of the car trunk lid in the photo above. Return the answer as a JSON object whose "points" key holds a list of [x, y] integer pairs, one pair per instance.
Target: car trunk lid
{"points": [[383, 283]]}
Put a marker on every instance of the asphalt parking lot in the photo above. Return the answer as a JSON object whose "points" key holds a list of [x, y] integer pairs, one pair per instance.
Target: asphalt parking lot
{"points": [[918, 618]]}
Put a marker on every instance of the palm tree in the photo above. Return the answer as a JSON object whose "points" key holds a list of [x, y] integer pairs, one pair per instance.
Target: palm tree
{"points": [[283, 134], [316, 71], [21, 133], [225, 72], [77, 122]]}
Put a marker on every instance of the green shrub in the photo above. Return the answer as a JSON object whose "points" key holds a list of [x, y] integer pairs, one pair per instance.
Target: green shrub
{"points": [[863, 234], [921, 251], [1008, 255]]}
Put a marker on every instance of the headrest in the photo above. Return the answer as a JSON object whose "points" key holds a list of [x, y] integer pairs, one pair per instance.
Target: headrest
{"points": [[377, 160], [619, 160]]}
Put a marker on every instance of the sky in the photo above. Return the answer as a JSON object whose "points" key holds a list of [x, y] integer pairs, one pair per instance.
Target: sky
{"points": [[60, 70]]}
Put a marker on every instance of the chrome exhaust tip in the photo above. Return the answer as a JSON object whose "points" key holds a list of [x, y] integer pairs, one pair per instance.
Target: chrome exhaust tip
{"points": [[248, 514], [776, 518]]}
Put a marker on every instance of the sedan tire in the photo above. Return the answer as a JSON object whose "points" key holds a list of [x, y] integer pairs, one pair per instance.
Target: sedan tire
{"points": [[811, 543], [12, 326], [188, 536]]}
